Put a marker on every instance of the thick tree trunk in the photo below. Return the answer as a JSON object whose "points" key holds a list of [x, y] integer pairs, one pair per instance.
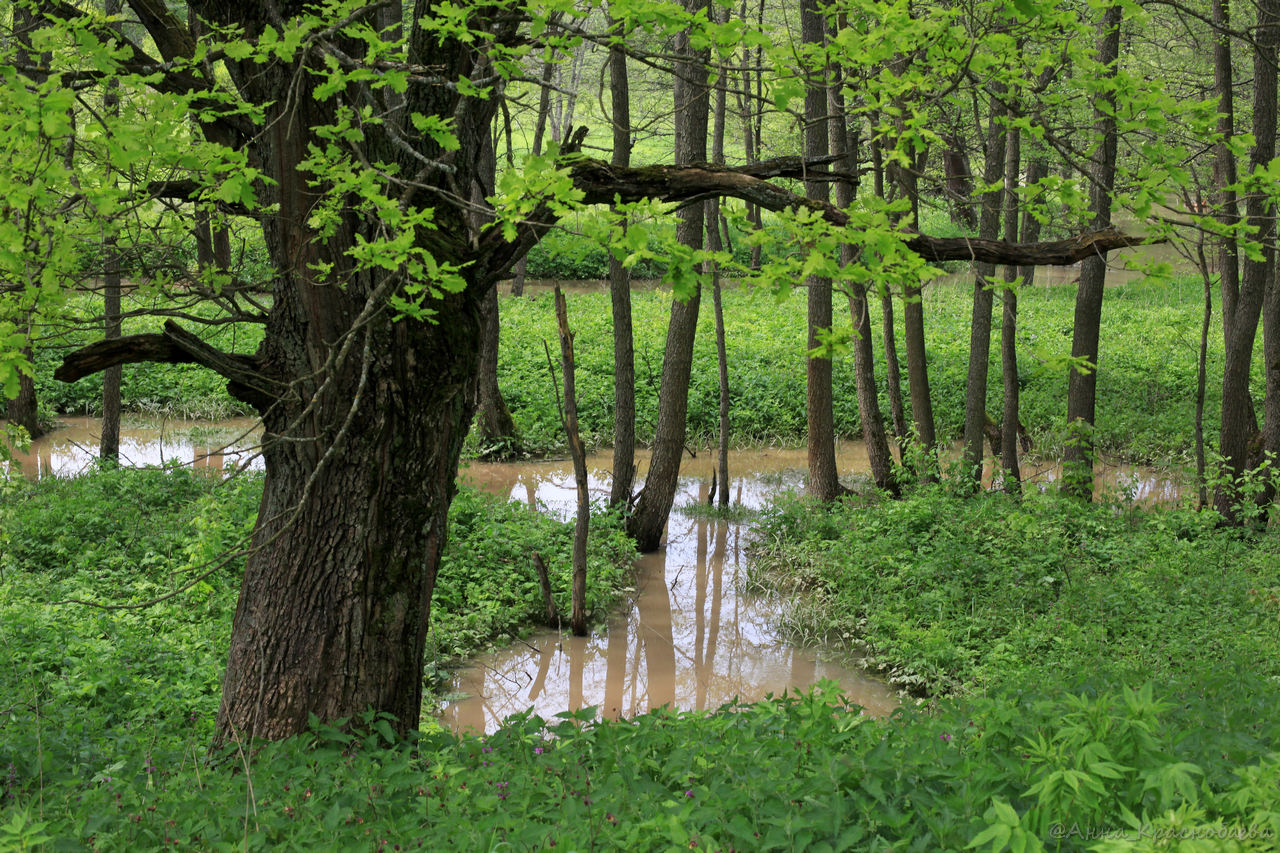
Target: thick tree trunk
{"points": [[624, 369], [361, 442], [23, 409], [975, 398], [692, 103], [1082, 384], [824, 479]]}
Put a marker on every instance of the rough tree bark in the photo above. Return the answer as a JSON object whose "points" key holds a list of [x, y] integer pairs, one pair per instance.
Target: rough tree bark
{"points": [[1224, 165], [109, 447], [959, 181], [624, 362], [1009, 323], [715, 220], [24, 409], [582, 524], [692, 101], [975, 397], [824, 479], [1082, 381], [1242, 325], [877, 442]]}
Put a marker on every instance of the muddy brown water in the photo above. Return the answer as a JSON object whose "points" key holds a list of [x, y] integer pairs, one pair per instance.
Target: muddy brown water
{"points": [[72, 448], [687, 637]]}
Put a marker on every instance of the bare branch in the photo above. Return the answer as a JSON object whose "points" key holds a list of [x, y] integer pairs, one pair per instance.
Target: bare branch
{"points": [[176, 346], [604, 184]]}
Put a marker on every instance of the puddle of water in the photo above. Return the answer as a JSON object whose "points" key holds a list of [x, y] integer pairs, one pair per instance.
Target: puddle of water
{"points": [[688, 638], [73, 447]]}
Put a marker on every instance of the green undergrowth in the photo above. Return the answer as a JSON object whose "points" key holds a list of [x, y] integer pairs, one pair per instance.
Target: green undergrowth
{"points": [[83, 687], [1116, 770], [1114, 690], [1149, 347], [954, 595]]}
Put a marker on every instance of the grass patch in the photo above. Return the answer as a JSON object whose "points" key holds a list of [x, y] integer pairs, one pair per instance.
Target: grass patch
{"points": [[1147, 366], [962, 596]]}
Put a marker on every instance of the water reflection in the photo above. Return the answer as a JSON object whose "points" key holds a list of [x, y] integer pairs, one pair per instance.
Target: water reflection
{"points": [[687, 639], [72, 448]]}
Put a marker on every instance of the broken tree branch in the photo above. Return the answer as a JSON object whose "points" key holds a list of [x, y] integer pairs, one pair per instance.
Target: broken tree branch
{"points": [[602, 183], [176, 346]]}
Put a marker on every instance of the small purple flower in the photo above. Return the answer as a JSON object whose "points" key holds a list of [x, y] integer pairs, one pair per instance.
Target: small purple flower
{"points": [[688, 793], [946, 737], [537, 750]]}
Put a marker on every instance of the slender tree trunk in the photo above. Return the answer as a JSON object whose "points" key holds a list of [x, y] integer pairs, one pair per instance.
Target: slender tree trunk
{"points": [[109, 448], [892, 372], [1082, 384], [1037, 170], [1237, 407], [654, 505], [714, 242], [24, 409], [1202, 360], [578, 617], [1224, 165], [975, 398], [497, 428], [913, 329], [824, 479], [746, 112], [959, 184], [1009, 323], [624, 370], [539, 133], [873, 433], [756, 215], [493, 418]]}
